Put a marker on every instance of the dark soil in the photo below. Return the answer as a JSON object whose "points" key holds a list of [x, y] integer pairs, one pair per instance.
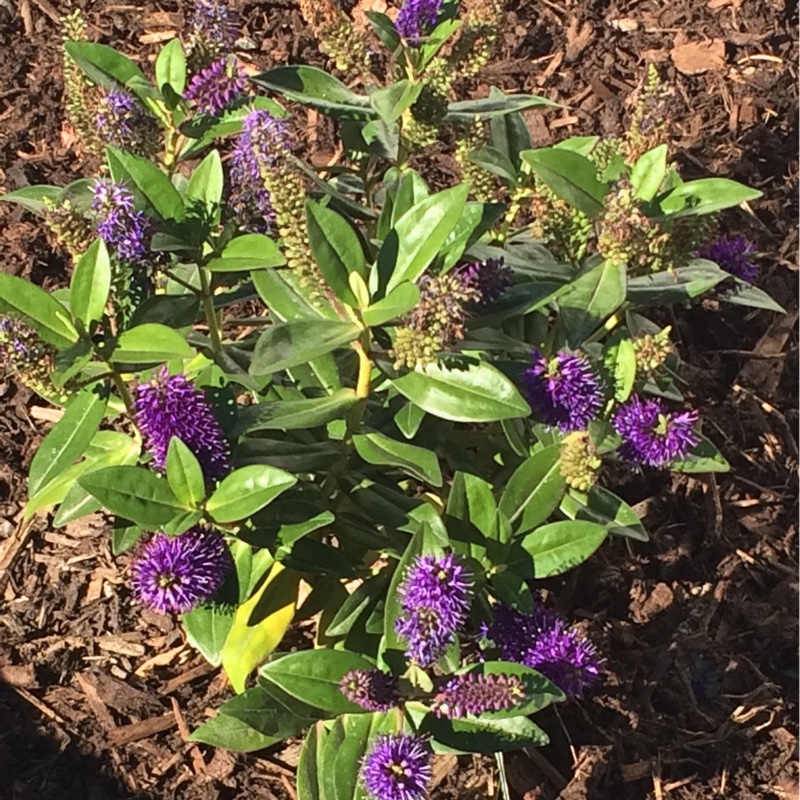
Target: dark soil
{"points": [[699, 626]]}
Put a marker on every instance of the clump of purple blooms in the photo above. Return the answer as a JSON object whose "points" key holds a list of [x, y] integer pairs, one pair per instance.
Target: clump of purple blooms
{"points": [[564, 390], [397, 768], [734, 255], [547, 643], [436, 596], [216, 87], [126, 231], [212, 29], [122, 122], [371, 689], [473, 693], [488, 279], [174, 574], [171, 405], [259, 146], [417, 17], [653, 436]]}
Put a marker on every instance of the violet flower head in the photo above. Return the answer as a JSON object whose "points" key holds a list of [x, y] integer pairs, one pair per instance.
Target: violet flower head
{"points": [[216, 87], [653, 436], [547, 643], [734, 255], [564, 390], [489, 279], [122, 122], [171, 405], [125, 231], [371, 689], [397, 768], [472, 693], [417, 17], [436, 595], [212, 27], [174, 574]]}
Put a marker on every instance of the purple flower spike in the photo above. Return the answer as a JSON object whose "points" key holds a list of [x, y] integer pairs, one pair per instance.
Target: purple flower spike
{"points": [[211, 24], [436, 598], [545, 642], [397, 768], [125, 231], [563, 391], [121, 121], [475, 694], [171, 405], [488, 278], [417, 17], [732, 254], [370, 688], [174, 574], [653, 436], [216, 87]]}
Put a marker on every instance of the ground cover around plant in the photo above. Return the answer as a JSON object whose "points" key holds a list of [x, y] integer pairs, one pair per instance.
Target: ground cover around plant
{"points": [[699, 626]]}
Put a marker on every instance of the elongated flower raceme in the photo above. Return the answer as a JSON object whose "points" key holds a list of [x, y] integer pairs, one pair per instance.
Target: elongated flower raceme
{"points": [[216, 87], [174, 574], [397, 768], [370, 688], [547, 643], [171, 405], [563, 391], [734, 255], [436, 597], [123, 123], [653, 436], [476, 694], [127, 232], [212, 30], [417, 17]]}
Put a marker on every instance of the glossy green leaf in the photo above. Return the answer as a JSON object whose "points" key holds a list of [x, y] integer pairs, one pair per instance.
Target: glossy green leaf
{"points": [[246, 490], [675, 286], [269, 710], [364, 597], [477, 393], [38, 308], [648, 173], [397, 303], [104, 65], [299, 414], [308, 777], [150, 343], [560, 546], [246, 252], [33, 197], [419, 462], [482, 735], [152, 183], [622, 366], [174, 311], [90, 285], [205, 187], [207, 627], [408, 419], [184, 474], [391, 101], [231, 734], [124, 535], [510, 134], [705, 196], [578, 144], [496, 162], [171, 67], [752, 297], [705, 457], [465, 112], [604, 507]]}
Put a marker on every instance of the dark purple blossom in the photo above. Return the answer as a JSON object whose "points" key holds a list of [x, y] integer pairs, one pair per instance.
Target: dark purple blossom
{"points": [[564, 390], [217, 86], [372, 689], [473, 693], [171, 405], [417, 17], [122, 122], [397, 768], [489, 279], [174, 574], [734, 255], [212, 28], [126, 231], [436, 596], [547, 643], [653, 436]]}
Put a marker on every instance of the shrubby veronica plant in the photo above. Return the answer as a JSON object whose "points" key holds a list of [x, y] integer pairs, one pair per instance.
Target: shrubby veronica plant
{"points": [[341, 395]]}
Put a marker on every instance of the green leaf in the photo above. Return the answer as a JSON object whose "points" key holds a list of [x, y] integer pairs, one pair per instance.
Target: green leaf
{"points": [[477, 393], [423, 230], [205, 187], [705, 196], [152, 183], [308, 778], [648, 173], [184, 474], [171, 67], [622, 366], [391, 101], [246, 490], [269, 710], [604, 507], [534, 490], [134, 493], [336, 247], [300, 414], [67, 441], [752, 297], [174, 311], [285, 299], [571, 176], [246, 252], [496, 162], [675, 286], [207, 628], [509, 133], [104, 65], [560, 546], [482, 735], [578, 144], [365, 597], [288, 344], [408, 419], [231, 734], [705, 457], [150, 343], [465, 112], [419, 462], [313, 676], [590, 299], [38, 308], [33, 197], [399, 301], [90, 285], [124, 536]]}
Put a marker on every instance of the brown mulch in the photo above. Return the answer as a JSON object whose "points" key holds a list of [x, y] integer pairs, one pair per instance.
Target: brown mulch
{"points": [[699, 626]]}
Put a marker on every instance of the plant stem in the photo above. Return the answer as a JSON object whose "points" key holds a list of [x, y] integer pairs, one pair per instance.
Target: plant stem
{"points": [[211, 314], [123, 391]]}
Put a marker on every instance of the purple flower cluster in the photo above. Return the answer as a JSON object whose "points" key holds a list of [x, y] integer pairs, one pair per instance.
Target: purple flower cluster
{"points": [[734, 255], [397, 768], [18, 341], [651, 435], [173, 574], [564, 390], [488, 279], [260, 144], [124, 230], [171, 405], [216, 87], [475, 694], [436, 596], [212, 27], [545, 642], [417, 17], [370, 688], [121, 121]]}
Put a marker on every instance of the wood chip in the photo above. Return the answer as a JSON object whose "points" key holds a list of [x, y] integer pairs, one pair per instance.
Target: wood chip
{"points": [[46, 414], [96, 703], [20, 676], [694, 58], [116, 644], [142, 730], [159, 660], [193, 674], [156, 37]]}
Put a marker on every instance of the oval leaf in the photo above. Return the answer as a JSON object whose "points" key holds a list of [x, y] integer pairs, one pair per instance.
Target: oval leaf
{"points": [[560, 546], [419, 462], [150, 343], [90, 285], [39, 309], [246, 490]]}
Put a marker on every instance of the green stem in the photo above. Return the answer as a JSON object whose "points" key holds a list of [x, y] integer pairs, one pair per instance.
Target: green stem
{"points": [[210, 312], [123, 391]]}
